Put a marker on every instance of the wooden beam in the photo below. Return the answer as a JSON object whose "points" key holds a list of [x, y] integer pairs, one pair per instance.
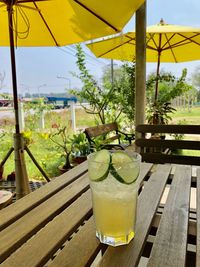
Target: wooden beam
{"points": [[140, 82]]}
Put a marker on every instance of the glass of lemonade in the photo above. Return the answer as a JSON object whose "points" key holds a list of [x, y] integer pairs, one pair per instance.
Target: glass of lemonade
{"points": [[113, 182]]}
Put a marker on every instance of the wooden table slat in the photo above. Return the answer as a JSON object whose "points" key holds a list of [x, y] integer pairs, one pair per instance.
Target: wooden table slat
{"points": [[169, 248], [198, 219], [60, 228], [79, 252], [145, 168], [17, 209], [30, 223], [147, 205]]}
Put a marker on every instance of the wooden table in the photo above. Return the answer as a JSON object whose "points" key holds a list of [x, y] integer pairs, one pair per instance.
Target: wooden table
{"points": [[53, 226], [5, 198]]}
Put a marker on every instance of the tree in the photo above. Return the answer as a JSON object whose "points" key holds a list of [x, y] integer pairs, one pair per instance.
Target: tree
{"points": [[124, 84], [108, 102], [196, 77], [91, 92], [170, 87], [2, 85], [2, 78]]}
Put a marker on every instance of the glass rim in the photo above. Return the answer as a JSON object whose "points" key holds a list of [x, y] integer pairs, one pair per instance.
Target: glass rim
{"points": [[135, 155]]}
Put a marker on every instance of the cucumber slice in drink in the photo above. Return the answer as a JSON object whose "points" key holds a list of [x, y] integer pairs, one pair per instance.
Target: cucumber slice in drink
{"points": [[99, 165], [123, 168]]}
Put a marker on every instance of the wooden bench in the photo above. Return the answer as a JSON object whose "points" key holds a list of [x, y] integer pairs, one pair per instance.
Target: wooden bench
{"points": [[153, 149], [109, 133]]}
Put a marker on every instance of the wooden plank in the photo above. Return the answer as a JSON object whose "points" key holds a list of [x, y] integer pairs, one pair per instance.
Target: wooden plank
{"points": [[144, 169], [198, 219], [173, 144], [17, 233], [169, 248], [41, 247], [185, 129], [147, 205], [163, 158], [101, 129], [112, 138], [191, 228], [19, 208], [79, 252]]}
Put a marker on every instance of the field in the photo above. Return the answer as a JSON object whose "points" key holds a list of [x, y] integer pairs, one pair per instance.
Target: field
{"points": [[45, 152], [188, 117]]}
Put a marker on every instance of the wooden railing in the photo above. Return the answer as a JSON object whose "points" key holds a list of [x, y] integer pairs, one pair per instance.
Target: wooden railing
{"points": [[158, 148]]}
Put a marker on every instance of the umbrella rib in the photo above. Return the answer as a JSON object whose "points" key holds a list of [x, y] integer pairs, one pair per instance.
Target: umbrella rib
{"points": [[112, 49], [171, 48], [190, 38], [30, 1], [186, 40], [43, 19], [28, 7], [96, 15], [169, 39], [152, 38], [182, 42]]}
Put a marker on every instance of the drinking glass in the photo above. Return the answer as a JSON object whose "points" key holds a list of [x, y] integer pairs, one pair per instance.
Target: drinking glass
{"points": [[113, 182]]}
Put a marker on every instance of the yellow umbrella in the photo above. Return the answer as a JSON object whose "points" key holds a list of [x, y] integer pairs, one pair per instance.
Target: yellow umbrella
{"points": [[54, 23], [62, 22], [164, 43]]}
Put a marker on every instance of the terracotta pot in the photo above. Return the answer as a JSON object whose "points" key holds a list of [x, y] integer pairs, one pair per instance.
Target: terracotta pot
{"points": [[79, 159], [1, 173], [63, 170]]}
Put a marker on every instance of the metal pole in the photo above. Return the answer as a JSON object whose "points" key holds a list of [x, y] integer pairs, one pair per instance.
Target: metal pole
{"points": [[38, 88], [61, 77], [73, 115], [140, 81], [21, 117], [112, 72]]}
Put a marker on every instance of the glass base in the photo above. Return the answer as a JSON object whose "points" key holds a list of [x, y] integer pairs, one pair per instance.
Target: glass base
{"points": [[115, 241]]}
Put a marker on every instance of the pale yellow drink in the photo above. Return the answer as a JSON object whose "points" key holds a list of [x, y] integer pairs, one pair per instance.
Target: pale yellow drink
{"points": [[114, 207]]}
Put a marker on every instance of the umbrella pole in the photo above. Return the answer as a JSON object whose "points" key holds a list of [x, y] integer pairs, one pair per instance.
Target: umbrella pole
{"points": [[159, 49], [22, 183], [157, 74]]}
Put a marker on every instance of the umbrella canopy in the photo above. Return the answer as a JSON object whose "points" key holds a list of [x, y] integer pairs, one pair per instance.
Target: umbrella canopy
{"points": [[164, 43], [62, 22]]}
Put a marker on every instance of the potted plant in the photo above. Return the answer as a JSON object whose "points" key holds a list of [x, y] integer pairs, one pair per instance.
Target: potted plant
{"points": [[158, 112], [80, 148], [63, 143]]}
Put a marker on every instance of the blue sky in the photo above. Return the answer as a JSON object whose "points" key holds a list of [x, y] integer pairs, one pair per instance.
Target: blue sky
{"points": [[39, 66]]}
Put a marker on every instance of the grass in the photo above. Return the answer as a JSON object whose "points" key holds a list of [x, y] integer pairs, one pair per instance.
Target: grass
{"points": [[45, 151], [190, 117]]}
